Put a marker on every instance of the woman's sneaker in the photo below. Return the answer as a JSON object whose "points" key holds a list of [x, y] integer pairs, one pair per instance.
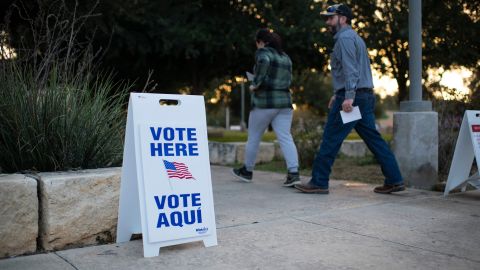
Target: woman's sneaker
{"points": [[243, 174], [292, 179]]}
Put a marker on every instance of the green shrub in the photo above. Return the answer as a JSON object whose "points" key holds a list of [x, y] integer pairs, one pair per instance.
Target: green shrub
{"points": [[57, 112], [66, 124], [450, 115], [307, 134]]}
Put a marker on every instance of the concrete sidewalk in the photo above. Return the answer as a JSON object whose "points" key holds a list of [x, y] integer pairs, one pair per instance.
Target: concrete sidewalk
{"points": [[263, 225]]}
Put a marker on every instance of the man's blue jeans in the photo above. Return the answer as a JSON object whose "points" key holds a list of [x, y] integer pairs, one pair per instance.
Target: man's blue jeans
{"points": [[335, 132]]}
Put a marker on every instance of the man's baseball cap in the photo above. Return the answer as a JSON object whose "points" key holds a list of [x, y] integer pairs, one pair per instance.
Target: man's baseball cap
{"points": [[338, 9]]}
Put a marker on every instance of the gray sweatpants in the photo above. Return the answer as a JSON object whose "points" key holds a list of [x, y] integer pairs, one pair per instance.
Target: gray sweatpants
{"points": [[281, 120]]}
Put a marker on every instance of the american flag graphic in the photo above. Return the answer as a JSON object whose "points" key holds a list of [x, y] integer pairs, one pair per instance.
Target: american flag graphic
{"points": [[177, 170]]}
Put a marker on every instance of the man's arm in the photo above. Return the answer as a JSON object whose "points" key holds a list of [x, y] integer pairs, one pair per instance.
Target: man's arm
{"points": [[350, 66], [346, 105]]}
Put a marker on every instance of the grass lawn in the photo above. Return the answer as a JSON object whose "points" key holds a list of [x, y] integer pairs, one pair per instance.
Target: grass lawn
{"points": [[237, 136], [363, 169]]}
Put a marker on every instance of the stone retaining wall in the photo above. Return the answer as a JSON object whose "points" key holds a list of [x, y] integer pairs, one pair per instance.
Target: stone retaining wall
{"points": [[354, 148], [54, 211], [78, 208], [229, 153], [18, 215]]}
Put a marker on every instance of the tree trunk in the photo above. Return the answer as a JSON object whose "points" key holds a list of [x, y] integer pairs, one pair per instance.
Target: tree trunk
{"points": [[402, 72], [402, 88]]}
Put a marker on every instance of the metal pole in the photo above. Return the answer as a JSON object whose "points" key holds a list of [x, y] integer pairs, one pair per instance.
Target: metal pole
{"points": [[415, 49], [242, 111], [415, 102], [227, 117]]}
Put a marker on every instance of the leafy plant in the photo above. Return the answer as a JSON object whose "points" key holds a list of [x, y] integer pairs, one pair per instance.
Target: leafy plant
{"points": [[56, 111], [307, 134], [450, 114]]}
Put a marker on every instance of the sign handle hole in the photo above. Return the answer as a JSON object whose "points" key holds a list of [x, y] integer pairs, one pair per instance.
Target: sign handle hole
{"points": [[169, 102]]}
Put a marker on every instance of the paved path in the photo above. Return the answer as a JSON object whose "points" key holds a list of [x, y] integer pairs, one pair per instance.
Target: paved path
{"points": [[263, 225]]}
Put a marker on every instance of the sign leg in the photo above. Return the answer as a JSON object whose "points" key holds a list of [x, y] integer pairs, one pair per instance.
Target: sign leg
{"points": [[210, 241], [151, 250], [129, 220], [462, 159]]}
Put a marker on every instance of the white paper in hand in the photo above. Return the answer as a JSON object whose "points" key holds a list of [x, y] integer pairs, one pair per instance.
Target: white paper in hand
{"points": [[249, 76], [351, 116]]}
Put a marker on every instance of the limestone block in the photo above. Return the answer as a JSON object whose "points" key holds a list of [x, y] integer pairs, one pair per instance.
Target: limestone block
{"points": [[79, 207], [266, 152], [222, 153], [18, 215], [278, 151], [354, 148]]}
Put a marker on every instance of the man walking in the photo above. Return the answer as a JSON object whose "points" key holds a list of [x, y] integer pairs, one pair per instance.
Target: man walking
{"points": [[353, 86]]}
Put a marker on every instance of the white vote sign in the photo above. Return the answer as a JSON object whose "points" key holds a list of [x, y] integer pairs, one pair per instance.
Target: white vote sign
{"points": [[166, 189], [467, 147]]}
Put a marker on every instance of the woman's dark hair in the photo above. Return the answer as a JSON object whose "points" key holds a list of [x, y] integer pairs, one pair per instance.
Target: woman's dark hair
{"points": [[270, 39]]}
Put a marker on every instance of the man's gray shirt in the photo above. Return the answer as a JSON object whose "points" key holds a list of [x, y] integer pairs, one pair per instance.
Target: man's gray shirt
{"points": [[350, 63]]}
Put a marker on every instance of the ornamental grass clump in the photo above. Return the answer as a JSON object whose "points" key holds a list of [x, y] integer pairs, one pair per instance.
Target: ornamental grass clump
{"points": [[57, 112], [65, 124]]}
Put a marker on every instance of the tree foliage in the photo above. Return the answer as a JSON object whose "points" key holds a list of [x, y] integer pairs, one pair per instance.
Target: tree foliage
{"points": [[188, 43], [449, 29]]}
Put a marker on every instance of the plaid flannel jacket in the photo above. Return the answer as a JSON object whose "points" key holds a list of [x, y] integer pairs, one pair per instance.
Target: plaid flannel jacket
{"points": [[273, 76]]}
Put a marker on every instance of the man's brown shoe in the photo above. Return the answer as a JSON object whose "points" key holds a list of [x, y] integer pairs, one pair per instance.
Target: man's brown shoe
{"points": [[387, 189], [307, 188]]}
